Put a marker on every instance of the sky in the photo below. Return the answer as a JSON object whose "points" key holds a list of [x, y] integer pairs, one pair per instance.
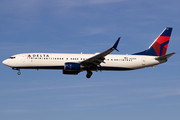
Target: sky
{"points": [[88, 26]]}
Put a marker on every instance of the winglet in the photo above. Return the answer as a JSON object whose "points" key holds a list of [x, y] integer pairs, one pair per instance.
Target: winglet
{"points": [[116, 44]]}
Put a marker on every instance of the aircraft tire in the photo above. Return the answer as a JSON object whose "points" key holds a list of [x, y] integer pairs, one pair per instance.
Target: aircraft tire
{"points": [[19, 73], [89, 74]]}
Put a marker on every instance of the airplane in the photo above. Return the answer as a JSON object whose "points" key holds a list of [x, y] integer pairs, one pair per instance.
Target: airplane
{"points": [[73, 64]]}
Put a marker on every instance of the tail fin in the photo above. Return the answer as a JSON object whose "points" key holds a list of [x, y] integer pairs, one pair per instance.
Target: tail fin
{"points": [[159, 46]]}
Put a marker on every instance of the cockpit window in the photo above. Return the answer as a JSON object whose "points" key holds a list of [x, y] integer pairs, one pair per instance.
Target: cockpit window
{"points": [[12, 57]]}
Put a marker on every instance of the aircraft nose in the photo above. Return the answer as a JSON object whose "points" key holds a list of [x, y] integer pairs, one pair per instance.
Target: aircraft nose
{"points": [[5, 62]]}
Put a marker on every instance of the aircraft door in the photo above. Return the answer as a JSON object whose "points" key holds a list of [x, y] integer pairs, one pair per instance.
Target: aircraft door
{"points": [[143, 61], [23, 59]]}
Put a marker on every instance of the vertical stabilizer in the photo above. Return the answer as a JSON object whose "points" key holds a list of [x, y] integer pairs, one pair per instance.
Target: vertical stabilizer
{"points": [[160, 45]]}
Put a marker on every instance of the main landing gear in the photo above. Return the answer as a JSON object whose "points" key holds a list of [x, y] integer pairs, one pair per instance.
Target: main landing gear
{"points": [[89, 73]]}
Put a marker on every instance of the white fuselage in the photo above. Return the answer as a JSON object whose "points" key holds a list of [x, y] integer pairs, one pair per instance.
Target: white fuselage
{"points": [[73, 64], [58, 60]]}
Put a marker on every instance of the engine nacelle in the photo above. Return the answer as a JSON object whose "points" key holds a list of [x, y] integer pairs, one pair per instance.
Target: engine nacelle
{"points": [[70, 66]]}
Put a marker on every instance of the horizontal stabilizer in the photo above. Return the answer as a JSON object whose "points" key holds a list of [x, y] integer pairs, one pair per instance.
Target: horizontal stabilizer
{"points": [[165, 57]]}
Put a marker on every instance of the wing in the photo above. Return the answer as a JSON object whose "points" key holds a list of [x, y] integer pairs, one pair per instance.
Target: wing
{"points": [[96, 60]]}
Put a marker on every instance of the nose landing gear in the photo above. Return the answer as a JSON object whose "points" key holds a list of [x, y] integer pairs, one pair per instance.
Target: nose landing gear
{"points": [[19, 72], [14, 68]]}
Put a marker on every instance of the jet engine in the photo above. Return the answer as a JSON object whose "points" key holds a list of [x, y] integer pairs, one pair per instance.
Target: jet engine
{"points": [[71, 68]]}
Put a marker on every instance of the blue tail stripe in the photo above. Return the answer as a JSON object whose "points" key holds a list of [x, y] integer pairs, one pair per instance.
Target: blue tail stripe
{"points": [[167, 32], [162, 46], [150, 52]]}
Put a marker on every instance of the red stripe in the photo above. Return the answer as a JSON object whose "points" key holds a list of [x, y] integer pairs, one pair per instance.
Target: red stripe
{"points": [[162, 39], [156, 47], [164, 49], [157, 44]]}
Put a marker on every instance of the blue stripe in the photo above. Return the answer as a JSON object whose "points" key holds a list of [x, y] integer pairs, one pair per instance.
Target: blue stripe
{"points": [[114, 68], [39, 67], [162, 46], [149, 51], [62, 67], [167, 32]]}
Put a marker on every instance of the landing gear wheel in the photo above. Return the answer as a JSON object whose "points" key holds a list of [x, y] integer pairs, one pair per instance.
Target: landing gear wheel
{"points": [[89, 73], [19, 73]]}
